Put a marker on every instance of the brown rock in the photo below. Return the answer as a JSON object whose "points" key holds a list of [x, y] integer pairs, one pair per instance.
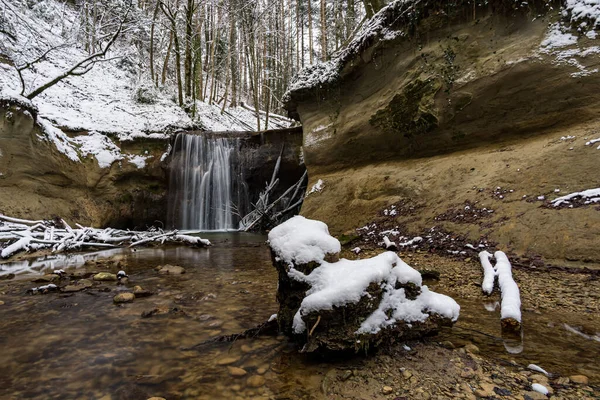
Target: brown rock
{"points": [[138, 291], [105, 276], [471, 348], [487, 390], [255, 381], [228, 360], [126, 297], [535, 395], [170, 269], [246, 349], [581, 379], [46, 278], [539, 378], [237, 372], [387, 390], [72, 288]]}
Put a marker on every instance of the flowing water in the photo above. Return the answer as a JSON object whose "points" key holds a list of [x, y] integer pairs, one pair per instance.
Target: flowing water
{"points": [[206, 187], [82, 346]]}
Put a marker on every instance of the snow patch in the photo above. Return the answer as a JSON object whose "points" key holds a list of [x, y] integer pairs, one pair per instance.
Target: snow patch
{"points": [[300, 240], [317, 187], [588, 196]]}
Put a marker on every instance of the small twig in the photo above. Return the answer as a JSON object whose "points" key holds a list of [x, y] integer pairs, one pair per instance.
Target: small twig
{"points": [[314, 326]]}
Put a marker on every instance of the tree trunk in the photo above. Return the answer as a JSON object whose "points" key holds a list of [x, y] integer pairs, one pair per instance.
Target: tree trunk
{"points": [[372, 7], [152, 27], [323, 32], [310, 32]]}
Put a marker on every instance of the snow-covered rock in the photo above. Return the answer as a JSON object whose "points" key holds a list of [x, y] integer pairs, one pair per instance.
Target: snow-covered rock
{"points": [[348, 304]]}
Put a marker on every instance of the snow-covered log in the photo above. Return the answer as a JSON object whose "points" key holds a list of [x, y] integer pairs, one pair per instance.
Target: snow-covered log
{"points": [[489, 274], [510, 308], [18, 235]]}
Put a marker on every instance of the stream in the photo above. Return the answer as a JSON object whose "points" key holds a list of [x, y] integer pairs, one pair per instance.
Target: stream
{"points": [[82, 345]]}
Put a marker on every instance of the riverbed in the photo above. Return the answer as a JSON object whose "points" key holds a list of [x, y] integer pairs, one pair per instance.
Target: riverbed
{"points": [[83, 345]]}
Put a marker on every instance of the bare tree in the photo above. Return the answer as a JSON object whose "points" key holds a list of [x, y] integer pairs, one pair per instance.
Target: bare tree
{"points": [[80, 68]]}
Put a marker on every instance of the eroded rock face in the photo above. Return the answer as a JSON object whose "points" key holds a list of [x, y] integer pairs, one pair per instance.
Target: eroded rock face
{"points": [[348, 305], [37, 181], [441, 109]]}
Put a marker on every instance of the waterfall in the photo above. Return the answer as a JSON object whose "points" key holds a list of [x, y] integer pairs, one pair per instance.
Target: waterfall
{"points": [[206, 186]]}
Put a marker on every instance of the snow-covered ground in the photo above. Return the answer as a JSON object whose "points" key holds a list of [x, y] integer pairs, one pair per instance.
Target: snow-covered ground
{"points": [[102, 101]]}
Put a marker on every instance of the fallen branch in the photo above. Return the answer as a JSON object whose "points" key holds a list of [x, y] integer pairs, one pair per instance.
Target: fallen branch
{"points": [[19, 235]]}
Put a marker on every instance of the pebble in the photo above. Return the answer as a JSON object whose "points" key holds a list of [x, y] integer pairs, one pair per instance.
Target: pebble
{"points": [[170, 269], [471, 348], [157, 398], [237, 372], [487, 390], [539, 378], [105, 276], [581, 379], [228, 360], [255, 381], [467, 373], [245, 348], [1, 303], [124, 297], [262, 370], [346, 375], [406, 374], [387, 390], [138, 291], [533, 395]]}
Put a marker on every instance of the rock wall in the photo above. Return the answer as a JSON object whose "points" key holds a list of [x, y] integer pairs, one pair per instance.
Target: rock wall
{"points": [[448, 105], [37, 181]]}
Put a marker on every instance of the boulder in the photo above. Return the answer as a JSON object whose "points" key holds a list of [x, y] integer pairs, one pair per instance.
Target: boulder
{"points": [[348, 305]]}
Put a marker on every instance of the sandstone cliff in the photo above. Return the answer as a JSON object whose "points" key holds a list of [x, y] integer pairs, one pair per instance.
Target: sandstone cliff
{"points": [[39, 181], [438, 105]]}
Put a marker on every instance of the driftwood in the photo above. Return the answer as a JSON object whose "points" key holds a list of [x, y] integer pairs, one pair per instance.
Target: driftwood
{"points": [[18, 235], [269, 328], [274, 213]]}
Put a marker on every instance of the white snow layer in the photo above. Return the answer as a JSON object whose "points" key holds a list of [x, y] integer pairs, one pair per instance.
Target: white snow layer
{"points": [[588, 196], [582, 10], [301, 240], [511, 297]]}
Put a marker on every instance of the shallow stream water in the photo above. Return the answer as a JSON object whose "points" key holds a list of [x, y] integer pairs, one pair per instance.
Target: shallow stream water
{"points": [[82, 346]]}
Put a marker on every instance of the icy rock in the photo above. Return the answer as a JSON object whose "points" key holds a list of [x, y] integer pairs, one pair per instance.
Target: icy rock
{"points": [[349, 304]]}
